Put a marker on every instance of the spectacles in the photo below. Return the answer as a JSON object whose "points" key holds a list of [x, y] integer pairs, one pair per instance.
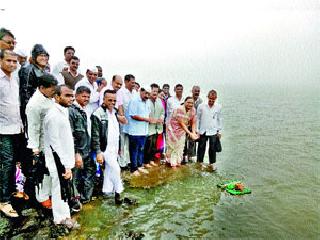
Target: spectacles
{"points": [[9, 42]]}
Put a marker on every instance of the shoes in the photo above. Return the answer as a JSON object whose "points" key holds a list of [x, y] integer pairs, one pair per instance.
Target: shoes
{"points": [[70, 224], [213, 167], [75, 206], [7, 209], [47, 204], [129, 201]]}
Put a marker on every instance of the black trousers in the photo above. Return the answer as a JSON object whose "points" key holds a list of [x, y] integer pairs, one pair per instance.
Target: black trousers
{"points": [[202, 148], [150, 148], [12, 150]]}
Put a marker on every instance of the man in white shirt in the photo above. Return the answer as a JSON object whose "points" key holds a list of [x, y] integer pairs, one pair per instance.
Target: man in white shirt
{"points": [[90, 82], [59, 155], [11, 129], [128, 93], [105, 142], [175, 101], [37, 107], [209, 127], [116, 85], [69, 52]]}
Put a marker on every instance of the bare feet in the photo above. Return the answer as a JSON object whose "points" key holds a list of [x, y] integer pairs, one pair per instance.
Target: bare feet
{"points": [[152, 163], [143, 170], [147, 165], [136, 173]]}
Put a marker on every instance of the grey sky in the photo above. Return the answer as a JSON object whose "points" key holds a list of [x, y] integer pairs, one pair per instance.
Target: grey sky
{"points": [[234, 41]]}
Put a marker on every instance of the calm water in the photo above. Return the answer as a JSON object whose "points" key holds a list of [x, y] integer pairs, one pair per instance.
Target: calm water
{"points": [[270, 142]]}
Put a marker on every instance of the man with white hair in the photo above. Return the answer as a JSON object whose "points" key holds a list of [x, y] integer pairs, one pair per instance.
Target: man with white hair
{"points": [[90, 82]]}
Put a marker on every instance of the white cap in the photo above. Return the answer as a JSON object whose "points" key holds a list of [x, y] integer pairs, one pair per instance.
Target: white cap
{"points": [[21, 53]]}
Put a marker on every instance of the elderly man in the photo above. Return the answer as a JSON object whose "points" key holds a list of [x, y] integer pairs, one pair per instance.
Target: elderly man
{"points": [[105, 142], [11, 129], [209, 127], [59, 155]]}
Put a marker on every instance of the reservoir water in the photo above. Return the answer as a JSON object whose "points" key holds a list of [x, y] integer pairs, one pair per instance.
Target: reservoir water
{"points": [[270, 142]]}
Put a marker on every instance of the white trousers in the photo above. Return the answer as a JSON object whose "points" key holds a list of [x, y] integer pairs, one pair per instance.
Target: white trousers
{"points": [[124, 158], [112, 178], [60, 208], [43, 193]]}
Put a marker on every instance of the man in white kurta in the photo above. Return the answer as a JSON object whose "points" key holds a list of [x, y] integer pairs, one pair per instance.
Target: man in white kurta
{"points": [[58, 136], [37, 107]]}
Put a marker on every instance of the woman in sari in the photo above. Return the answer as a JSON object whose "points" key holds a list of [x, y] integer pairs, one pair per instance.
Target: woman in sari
{"points": [[177, 128]]}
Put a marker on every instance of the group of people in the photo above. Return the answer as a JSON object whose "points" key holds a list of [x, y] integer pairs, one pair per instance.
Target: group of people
{"points": [[62, 127]]}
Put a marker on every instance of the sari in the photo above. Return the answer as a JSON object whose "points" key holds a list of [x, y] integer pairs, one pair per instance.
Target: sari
{"points": [[176, 135]]}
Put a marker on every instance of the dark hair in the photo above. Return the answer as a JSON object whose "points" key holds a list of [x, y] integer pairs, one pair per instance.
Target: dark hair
{"points": [[109, 91], [154, 85], [212, 92], [75, 58], [68, 48], [160, 90], [114, 78], [99, 67], [59, 87], [187, 98], [128, 77], [4, 52], [82, 89], [47, 80], [165, 85], [4, 32], [178, 85], [137, 84]]}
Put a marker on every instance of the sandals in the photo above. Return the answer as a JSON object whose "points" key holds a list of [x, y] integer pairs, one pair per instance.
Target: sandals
{"points": [[7, 209], [21, 195]]}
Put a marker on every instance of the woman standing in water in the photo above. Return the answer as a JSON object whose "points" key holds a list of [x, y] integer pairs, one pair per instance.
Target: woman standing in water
{"points": [[177, 128]]}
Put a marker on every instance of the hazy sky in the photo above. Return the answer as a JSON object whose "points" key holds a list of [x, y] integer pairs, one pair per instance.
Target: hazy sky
{"points": [[233, 41]]}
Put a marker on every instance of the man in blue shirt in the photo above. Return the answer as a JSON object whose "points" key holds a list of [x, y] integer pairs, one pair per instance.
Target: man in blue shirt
{"points": [[138, 130]]}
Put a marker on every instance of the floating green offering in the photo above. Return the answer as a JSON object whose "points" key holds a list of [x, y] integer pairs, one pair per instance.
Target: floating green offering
{"points": [[234, 187]]}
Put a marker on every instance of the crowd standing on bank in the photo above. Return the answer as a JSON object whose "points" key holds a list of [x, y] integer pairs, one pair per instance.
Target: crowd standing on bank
{"points": [[62, 131]]}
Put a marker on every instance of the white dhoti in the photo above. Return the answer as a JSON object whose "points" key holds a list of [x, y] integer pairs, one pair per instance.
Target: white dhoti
{"points": [[112, 178], [60, 208]]}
